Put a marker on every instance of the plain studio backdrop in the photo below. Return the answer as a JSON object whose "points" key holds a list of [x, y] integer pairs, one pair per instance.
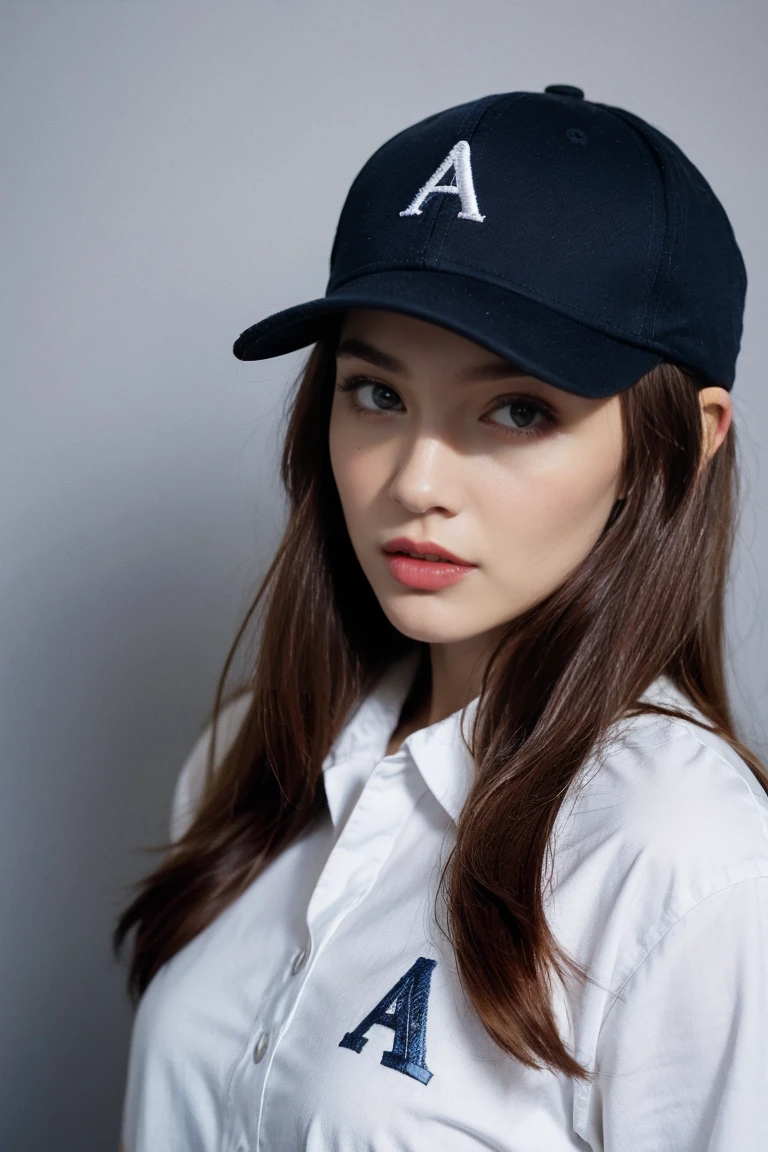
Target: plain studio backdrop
{"points": [[173, 172]]}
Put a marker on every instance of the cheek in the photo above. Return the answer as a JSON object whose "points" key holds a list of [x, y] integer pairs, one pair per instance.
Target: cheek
{"points": [[353, 464], [547, 517]]}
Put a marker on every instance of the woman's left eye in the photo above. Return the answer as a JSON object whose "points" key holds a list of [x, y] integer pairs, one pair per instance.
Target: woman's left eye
{"points": [[523, 409]]}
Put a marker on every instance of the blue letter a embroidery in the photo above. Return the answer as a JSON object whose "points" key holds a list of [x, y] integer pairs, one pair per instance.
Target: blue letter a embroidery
{"points": [[408, 1019]]}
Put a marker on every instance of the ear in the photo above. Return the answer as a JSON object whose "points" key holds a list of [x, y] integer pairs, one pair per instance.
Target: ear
{"points": [[716, 415]]}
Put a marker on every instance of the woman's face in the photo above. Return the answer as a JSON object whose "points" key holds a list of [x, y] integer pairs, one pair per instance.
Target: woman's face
{"points": [[450, 444]]}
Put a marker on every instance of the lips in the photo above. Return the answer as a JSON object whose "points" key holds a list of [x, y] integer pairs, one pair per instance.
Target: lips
{"points": [[423, 549]]}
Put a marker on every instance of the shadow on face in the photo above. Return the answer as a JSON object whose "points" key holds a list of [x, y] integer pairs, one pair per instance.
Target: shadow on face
{"points": [[438, 439]]}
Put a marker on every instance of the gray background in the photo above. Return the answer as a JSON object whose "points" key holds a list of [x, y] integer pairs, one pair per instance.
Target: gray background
{"points": [[172, 173]]}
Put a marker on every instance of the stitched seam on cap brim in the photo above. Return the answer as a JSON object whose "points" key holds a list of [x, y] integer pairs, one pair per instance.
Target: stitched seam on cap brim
{"points": [[529, 292], [589, 321]]}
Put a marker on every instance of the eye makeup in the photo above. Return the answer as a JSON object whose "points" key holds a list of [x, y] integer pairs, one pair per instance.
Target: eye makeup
{"points": [[351, 385]]}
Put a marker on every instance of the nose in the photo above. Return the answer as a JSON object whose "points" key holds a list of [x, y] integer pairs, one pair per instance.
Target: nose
{"points": [[425, 474]]}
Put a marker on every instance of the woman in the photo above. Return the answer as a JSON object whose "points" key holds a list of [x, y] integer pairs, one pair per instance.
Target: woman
{"points": [[476, 858]]}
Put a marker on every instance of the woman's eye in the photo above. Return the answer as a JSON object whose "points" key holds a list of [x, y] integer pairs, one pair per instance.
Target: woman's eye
{"points": [[382, 397], [523, 414], [528, 416]]}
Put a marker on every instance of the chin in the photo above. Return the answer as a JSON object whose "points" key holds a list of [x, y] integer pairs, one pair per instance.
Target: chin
{"points": [[413, 620]]}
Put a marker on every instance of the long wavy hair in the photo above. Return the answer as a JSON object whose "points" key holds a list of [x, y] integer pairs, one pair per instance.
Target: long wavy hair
{"points": [[648, 599]]}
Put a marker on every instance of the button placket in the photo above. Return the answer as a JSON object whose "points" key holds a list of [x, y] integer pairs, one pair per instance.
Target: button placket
{"points": [[390, 794], [366, 841]]}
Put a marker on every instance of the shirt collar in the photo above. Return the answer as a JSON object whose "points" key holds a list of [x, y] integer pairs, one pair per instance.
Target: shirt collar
{"points": [[438, 750]]}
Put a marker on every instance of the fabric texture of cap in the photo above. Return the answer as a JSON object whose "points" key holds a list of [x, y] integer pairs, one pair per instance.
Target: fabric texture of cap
{"points": [[569, 237]]}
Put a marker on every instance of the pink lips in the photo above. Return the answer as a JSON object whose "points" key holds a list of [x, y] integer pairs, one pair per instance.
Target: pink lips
{"points": [[429, 575], [425, 548]]}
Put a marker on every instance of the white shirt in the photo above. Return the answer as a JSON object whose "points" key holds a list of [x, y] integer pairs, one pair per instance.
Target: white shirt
{"points": [[322, 1010]]}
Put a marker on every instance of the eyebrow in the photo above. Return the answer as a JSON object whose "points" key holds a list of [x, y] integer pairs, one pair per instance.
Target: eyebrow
{"points": [[353, 346]]}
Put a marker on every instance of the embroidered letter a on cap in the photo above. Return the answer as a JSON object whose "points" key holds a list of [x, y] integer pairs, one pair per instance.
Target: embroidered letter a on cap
{"points": [[458, 158], [408, 1019]]}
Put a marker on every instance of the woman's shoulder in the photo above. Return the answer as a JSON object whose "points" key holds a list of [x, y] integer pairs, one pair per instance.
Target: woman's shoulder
{"points": [[670, 801], [190, 783], [666, 822]]}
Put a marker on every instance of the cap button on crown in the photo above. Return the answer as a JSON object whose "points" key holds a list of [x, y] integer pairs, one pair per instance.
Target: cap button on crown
{"points": [[565, 90]]}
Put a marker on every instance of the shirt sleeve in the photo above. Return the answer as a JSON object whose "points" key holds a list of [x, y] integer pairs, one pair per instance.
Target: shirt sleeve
{"points": [[682, 1055], [190, 783]]}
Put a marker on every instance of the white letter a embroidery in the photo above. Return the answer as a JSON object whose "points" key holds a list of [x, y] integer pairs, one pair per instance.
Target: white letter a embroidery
{"points": [[458, 158]]}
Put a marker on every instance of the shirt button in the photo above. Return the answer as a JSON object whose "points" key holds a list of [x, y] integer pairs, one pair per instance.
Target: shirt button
{"points": [[260, 1047], [299, 960]]}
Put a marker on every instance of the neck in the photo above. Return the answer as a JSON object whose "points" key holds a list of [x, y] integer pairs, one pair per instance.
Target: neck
{"points": [[453, 677]]}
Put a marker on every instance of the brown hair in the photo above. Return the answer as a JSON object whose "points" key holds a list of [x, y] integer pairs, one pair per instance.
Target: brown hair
{"points": [[647, 600]]}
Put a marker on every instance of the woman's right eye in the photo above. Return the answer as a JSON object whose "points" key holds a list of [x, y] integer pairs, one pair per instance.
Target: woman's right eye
{"points": [[381, 394]]}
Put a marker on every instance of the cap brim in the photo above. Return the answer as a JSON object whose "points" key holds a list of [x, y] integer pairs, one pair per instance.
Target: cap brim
{"points": [[535, 337]]}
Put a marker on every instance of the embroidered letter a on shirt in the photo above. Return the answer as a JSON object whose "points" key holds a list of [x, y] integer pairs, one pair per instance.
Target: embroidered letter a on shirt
{"points": [[458, 158], [408, 1018]]}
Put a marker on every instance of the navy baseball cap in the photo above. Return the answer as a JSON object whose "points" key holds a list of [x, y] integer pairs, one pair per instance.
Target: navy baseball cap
{"points": [[567, 236]]}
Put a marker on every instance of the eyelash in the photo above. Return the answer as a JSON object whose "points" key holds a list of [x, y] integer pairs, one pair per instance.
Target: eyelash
{"points": [[352, 383]]}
